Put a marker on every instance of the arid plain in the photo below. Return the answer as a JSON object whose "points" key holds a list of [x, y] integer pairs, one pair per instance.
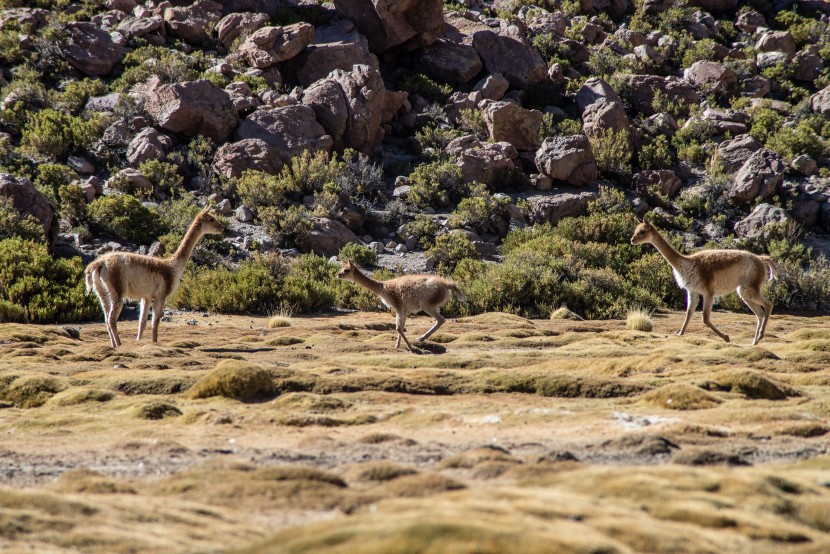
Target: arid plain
{"points": [[502, 435]]}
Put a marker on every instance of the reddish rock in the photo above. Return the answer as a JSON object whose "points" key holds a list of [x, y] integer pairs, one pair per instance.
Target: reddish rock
{"points": [[327, 237], [481, 163], [645, 87], [568, 159], [664, 181], [192, 108], [149, 144], [776, 41], [233, 158], [410, 24], [192, 23], [761, 175], [450, 62], [508, 122], [732, 154], [90, 49], [26, 199], [820, 101], [712, 76], [289, 129], [239, 26], [271, 45], [335, 46]]}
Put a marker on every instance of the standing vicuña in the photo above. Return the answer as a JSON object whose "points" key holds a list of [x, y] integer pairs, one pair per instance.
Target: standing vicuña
{"points": [[118, 276], [711, 273], [406, 295]]}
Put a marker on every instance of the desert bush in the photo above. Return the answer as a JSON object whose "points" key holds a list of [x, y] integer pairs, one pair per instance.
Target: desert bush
{"points": [[436, 184], [612, 151], [16, 224], [433, 139], [358, 177], [233, 379], [480, 211], [805, 31], [171, 66], [471, 121], [809, 136], [290, 224], [639, 320], [164, 176], [72, 204], [655, 153], [424, 229], [50, 134], [36, 288], [450, 249], [75, 94], [49, 180], [418, 83], [359, 254], [125, 217]]}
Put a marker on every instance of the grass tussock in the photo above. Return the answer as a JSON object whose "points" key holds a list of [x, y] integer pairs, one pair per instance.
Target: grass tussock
{"points": [[284, 341], [639, 320], [806, 430], [80, 395], [752, 385], [476, 456], [681, 396], [279, 321], [238, 380], [32, 391], [380, 471], [155, 410], [87, 481], [565, 313], [757, 354], [421, 485]]}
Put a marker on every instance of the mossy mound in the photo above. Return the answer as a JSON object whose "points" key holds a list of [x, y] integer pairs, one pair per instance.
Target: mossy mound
{"points": [[752, 385], [757, 354], [380, 471], [80, 395], [31, 391], [235, 379], [313, 403], [155, 410], [680, 396]]}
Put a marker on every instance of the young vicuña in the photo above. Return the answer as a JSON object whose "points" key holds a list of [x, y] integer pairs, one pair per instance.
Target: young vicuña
{"points": [[710, 273], [119, 276], [406, 295]]}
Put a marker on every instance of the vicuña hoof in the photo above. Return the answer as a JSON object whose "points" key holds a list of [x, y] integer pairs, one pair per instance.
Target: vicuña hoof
{"points": [[726, 338]]}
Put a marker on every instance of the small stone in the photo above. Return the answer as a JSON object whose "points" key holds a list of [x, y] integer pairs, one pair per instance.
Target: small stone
{"points": [[224, 207], [391, 245], [243, 214], [401, 249], [377, 246]]}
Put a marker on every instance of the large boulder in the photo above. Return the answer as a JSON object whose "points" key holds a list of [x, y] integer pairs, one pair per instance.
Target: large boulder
{"points": [[715, 6], [149, 144], [820, 101], [644, 88], [26, 199], [732, 154], [239, 26], [90, 49], [749, 21], [351, 106], [595, 90], [763, 219], [776, 41], [289, 129], [712, 76], [271, 45], [410, 24], [233, 158], [508, 122], [335, 46], [140, 27], [760, 176], [567, 158], [512, 56], [192, 108], [450, 62], [808, 65], [193, 23], [563, 203], [734, 122], [602, 109], [327, 237], [665, 181], [482, 163]]}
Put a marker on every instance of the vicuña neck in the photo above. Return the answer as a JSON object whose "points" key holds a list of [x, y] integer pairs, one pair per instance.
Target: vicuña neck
{"points": [[188, 244], [366, 281], [672, 256]]}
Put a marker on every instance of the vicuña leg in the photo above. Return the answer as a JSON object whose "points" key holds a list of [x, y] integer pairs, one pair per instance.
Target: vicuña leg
{"points": [[400, 322], [758, 310], [158, 313], [439, 321], [112, 322], [142, 317], [756, 297], [105, 301], [708, 300], [691, 304]]}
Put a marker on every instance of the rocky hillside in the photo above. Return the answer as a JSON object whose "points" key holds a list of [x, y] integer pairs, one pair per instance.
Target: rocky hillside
{"points": [[436, 135]]}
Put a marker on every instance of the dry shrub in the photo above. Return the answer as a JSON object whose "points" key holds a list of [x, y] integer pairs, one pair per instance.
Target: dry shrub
{"points": [[681, 396], [32, 391], [79, 395], [639, 320], [814, 512], [752, 385], [565, 313], [499, 319], [806, 430], [380, 471], [234, 379], [278, 321], [299, 473], [155, 410]]}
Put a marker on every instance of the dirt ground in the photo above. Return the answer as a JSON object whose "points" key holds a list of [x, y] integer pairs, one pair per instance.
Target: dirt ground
{"points": [[500, 435]]}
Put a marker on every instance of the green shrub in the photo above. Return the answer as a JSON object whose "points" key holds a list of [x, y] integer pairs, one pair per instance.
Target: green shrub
{"points": [[418, 83], [612, 151], [125, 217], [424, 229], [450, 249], [75, 94], [234, 379], [171, 66], [436, 184], [655, 153], [810, 136], [433, 139], [72, 204], [16, 224], [359, 254], [36, 288], [480, 211], [50, 134], [291, 224], [164, 176], [50, 178], [471, 121]]}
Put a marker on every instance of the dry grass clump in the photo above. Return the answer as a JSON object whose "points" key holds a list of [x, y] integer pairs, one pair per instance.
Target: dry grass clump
{"points": [[472, 458], [421, 485], [639, 320], [80, 395], [757, 354], [90, 482], [681, 396], [565, 313], [155, 410], [752, 385], [278, 321], [806, 430], [380, 471], [498, 319], [380, 438], [312, 403], [706, 457], [284, 341], [32, 391], [234, 379]]}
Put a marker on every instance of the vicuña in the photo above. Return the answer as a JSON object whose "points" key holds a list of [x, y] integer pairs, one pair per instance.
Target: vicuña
{"points": [[119, 276], [406, 295], [710, 273]]}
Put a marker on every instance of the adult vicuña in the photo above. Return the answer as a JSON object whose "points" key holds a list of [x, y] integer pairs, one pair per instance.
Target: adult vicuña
{"points": [[119, 276], [406, 295], [712, 273]]}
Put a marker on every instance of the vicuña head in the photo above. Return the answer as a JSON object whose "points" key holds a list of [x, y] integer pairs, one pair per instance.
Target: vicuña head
{"points": [[118, 276], [711, 273], [406, 295]]}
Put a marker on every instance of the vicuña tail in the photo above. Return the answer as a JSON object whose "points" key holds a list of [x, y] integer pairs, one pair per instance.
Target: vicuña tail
{"points": [[92, 272], [770, 263]]}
